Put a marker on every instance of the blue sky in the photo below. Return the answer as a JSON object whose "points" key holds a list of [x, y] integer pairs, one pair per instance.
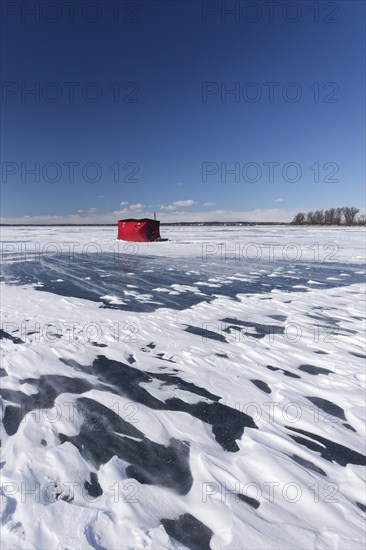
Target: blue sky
{"points": [[172, 110]]}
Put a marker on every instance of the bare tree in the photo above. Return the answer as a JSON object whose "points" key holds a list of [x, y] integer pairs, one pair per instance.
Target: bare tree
{"points": [[310, 217], [332, 216], [350, 213], [299, 219], [318, 217], [338, 216], [329, 216]]}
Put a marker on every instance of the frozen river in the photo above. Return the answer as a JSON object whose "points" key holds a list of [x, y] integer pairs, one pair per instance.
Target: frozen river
{"points": [[205, 392]]}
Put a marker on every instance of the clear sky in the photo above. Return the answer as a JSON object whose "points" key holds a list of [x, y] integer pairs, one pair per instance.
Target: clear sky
{"points": [[207, 110]]}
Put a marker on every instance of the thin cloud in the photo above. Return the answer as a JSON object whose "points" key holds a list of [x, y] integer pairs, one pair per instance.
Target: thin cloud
{"points": [[188, 202], [169, 207], [136, 207]]}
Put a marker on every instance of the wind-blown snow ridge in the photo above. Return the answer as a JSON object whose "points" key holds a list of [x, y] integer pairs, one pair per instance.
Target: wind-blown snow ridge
{"points": [[182, 401]]}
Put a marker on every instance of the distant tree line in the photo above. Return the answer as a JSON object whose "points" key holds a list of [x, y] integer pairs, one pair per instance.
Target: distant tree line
{"points": [[347, 215]]}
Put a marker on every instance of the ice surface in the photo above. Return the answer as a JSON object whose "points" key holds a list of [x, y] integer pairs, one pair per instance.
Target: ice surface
{"points": [[205, 392]]}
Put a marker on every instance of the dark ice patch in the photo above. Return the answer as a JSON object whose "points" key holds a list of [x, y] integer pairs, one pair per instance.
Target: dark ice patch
{"points": [[49, 388], [55, 335], [6, 336], [256, 334], [227, 424], [104, 434], [329, 450], [361, 506], [8, 508], [327, 406], [281, 318], [307, 464], [67, 497], [189, 531], [349, 427], [312, 369], [174, 380], [261, 329], [262, 386], [204, 333], [93, 488], [3, 372], [162, 358], [356, 354], [285, 372], [290, 374], [253, 502], [128, 379]]}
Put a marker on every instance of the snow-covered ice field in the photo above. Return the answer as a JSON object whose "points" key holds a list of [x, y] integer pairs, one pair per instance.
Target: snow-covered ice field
{"points": [[206, 392]]}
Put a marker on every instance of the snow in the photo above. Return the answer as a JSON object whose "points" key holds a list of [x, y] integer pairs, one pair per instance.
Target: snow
{"points": [[202, 392]]}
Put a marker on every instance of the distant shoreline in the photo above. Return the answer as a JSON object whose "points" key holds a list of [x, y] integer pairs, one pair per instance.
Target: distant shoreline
{"points": [[181, 224], [194, 224]]}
